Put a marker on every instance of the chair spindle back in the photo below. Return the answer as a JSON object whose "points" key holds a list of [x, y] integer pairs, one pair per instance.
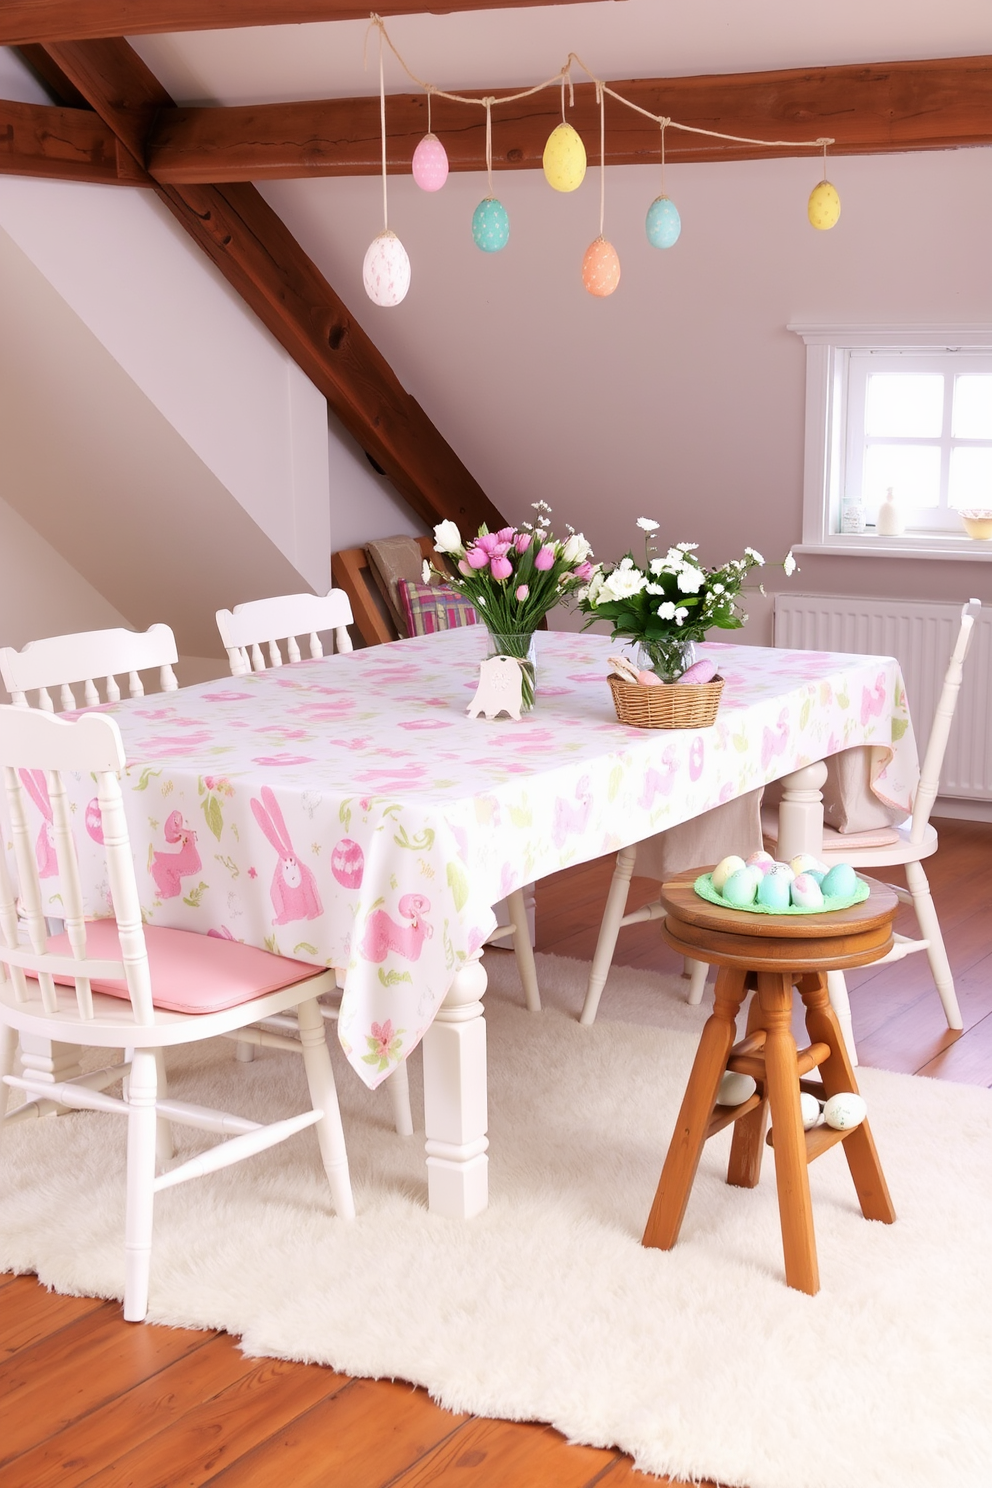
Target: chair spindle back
{"points": [[264, 622], [61, 662], [37, 753]]}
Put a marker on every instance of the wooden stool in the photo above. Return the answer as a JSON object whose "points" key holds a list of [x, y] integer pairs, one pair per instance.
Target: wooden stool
{"points": [[771, 954]]}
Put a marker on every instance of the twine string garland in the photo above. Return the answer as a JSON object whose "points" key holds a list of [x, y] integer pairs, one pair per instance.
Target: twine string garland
{"points": [[490, 224]]}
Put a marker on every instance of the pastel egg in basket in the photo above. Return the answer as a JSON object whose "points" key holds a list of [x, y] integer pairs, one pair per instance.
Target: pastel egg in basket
{"points": [[761, 885]]}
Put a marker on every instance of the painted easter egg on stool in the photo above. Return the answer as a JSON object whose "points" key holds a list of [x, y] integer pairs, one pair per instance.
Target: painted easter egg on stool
{"points": [[844, 1110], [773, 890], [741, 887], [600, 268], [805, 892], [386, 270], [490, 225], [723, 870], [564, 159], [663, 223], [430, 163], [823, 208], [810, 1109], [348, 863], [840, 882]]}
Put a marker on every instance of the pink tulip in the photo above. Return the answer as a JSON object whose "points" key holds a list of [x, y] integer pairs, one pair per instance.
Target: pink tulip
{"points": [[506, 535], [477, 557], [523, 592], [487, 542], [584, 571], [463, 568], [501, 568], [523, 542], [545, 558]]}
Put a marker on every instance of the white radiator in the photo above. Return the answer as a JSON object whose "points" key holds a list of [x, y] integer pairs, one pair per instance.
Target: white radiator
{"points": [[921, 637]]}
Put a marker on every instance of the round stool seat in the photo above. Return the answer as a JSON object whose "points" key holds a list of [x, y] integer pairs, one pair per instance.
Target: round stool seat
{"points": [[836, 940]]}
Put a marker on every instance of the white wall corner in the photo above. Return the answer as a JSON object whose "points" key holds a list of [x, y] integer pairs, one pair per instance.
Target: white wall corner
{"points": [[309, 466]]}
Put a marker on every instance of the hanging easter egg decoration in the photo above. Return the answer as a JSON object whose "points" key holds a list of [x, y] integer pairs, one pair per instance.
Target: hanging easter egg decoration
{"points": [[663, 223], [564, 159], [600, 268], [490, 225], [824, 206], [386, 270], [430, 163]]}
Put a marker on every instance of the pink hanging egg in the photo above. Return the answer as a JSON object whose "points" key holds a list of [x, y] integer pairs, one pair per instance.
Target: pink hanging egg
{"points": [[430, 164], [348, 863], [600, 268]]}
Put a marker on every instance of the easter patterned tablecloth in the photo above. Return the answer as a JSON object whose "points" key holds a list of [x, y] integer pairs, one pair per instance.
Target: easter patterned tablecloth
{"points": [[348, 813]]}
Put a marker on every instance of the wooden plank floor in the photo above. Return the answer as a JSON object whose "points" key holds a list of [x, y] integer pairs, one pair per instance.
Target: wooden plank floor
{"points": [[88, 1399]]}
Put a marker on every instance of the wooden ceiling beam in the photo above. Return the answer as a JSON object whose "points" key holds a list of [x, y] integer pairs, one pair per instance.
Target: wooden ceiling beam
{"points": [[258, 255], [63, 144], [26, 21], [868, 109]]}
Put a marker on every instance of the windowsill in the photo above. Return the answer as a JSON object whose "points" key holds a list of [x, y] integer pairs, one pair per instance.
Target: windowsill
{"points": [[919, 545]]}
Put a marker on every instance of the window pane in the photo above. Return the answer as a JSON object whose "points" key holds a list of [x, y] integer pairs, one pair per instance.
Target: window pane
{"points": [[972, 416], [970, 482], [912, 470], [905, 404]]}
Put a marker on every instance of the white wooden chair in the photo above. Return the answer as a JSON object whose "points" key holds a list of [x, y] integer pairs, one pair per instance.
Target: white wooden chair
{"points": [[913, 842], [246, 628], [111, 983], [63, 661]]}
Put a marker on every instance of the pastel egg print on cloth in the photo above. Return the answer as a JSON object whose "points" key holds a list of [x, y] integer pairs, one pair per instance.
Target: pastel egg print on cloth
{"points": [[386, 270], [490, 225], [663, 224]]}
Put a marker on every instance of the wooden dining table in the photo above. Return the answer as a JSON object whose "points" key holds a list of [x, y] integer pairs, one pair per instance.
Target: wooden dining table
{"points": [[347, 812]]}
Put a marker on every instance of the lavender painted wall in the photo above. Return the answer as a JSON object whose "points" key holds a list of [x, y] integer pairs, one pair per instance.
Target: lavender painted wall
{"points": [[681, 397]]}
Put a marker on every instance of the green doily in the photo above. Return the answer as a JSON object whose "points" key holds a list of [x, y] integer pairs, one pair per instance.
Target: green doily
{"points": [[704, 888]]}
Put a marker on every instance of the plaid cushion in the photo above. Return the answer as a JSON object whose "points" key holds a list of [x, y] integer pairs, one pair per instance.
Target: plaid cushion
{"points": [[429, 607]]}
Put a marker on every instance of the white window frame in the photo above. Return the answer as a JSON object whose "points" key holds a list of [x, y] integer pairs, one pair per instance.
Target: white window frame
{"points": [[828, 361]]}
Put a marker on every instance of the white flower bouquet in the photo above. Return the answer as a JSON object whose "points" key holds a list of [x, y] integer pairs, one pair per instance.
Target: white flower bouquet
{"points": [[670, 600]]}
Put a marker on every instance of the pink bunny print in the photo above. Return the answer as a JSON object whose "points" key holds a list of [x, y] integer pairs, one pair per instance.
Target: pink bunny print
{"points": [[294, 888], [569, 818], [872, 702], [383, 935], [44, 848], [774, 742], [169, 868]]}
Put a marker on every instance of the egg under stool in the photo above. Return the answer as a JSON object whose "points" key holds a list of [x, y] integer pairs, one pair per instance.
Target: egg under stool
{"points": [[770, 955]]}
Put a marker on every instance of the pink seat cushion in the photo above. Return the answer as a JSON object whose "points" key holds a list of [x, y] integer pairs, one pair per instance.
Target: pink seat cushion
{"points": [[191, 973]]}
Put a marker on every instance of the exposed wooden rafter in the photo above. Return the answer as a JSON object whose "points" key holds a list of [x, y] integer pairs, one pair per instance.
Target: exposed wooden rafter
{"points": [[65, 144], [263, 261], [25, 21], [868, 109]]}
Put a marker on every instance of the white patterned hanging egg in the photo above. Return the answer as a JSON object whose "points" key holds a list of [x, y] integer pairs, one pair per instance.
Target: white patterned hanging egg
{"points": [[386, 270]]}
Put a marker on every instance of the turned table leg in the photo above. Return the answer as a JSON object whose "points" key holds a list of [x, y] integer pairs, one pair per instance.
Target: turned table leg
{"points": [[455, 1099], [800, 814]]}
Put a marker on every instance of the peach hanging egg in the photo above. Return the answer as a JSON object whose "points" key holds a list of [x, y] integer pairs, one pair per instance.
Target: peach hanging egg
{"points": [[600, 268]]}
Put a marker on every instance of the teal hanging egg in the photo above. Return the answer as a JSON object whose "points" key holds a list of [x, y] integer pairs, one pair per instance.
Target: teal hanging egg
{"points": [[663, 223], [490, 225]]}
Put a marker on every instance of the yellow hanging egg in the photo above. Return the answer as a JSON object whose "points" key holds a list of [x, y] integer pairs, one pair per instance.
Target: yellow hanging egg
{"points": [[824, 206], [600, 268], [564, 159]]}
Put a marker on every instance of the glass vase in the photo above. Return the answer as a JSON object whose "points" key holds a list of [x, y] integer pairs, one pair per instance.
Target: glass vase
{"points": [[523, 646], [668, 657]]}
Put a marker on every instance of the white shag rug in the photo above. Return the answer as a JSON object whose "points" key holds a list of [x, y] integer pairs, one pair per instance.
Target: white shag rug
{"points": [[700, 1362]]}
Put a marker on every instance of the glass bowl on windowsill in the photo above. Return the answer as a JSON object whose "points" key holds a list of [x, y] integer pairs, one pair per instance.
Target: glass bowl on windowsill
{"points": [[978, 522]]}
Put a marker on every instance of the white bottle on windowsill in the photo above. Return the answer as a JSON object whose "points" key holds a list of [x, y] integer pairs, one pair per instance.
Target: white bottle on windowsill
{"points": [[889, 522]]}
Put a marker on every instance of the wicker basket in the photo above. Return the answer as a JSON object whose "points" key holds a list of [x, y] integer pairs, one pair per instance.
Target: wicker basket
{"points": [[672, 706]]}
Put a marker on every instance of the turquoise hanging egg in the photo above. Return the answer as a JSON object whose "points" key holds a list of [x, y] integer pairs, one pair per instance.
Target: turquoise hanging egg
{"points": [[663, 223], [490, 225]]}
